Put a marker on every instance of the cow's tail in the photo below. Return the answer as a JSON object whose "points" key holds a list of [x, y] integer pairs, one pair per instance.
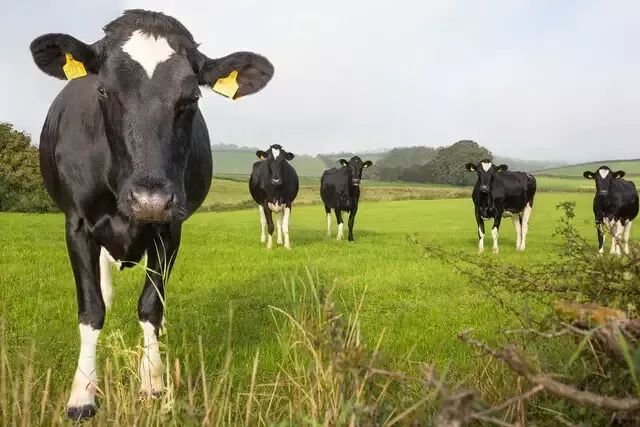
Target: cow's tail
{"points": [[531, 188]]}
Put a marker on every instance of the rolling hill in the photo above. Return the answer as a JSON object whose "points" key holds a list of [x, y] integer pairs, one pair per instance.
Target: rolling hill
{"points": [[239, 162], [631, 167]]}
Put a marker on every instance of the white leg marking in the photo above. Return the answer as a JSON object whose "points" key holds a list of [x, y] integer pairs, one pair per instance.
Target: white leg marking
{"points": [[147, 50], [627, 233], [329, 224], [618, 230], [263, 225], [269, 241], [612, 232], [285, 227], [526, 214], [480, 240], [516, 223], [279, 217], [340, 232], [84, 387], [151, 363], [106, 285], [494, 234]]}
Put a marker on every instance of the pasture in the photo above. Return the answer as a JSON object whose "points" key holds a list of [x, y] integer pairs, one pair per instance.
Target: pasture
{"points": [[419, 303]]}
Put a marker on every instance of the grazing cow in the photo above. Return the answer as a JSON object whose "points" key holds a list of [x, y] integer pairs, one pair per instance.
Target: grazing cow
{"points": [[125, 154], [499, 193], [615, 205], [274, 186], [340, 190]]}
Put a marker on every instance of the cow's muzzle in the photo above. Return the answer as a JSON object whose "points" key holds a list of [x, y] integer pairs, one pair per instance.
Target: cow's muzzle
{"points": [[355, 182], [603, 192], [152, 205], [484, 189], [276, 182]]}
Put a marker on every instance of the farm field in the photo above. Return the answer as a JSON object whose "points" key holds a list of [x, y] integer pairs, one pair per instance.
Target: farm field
{"points": [[419, 303], [631, 167]]}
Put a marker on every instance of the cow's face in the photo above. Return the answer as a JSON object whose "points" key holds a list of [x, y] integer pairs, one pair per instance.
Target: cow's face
{"points": [[603, 177], [486, 171], [355, 166], [146, 75], [275, 157]]}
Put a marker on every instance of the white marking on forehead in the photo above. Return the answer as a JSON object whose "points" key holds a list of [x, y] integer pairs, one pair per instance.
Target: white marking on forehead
{"points": [[486, 166], [603, 172], [275, 152], [147, 50]]}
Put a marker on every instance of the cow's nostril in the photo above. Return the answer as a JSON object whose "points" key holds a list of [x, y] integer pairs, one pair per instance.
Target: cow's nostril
{"points": [[134, 196]]}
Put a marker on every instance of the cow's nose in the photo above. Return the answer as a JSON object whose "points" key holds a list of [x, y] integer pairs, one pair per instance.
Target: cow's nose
{"points": [[355, 182], [276, 181], [603, 192], [151, 205], [484, 188]]}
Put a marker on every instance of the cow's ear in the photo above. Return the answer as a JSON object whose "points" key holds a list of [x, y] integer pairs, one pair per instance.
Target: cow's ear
{"points": [[261, 154], [502, 168], [619, 174], [343, 162], [367, 164], [470, 167], [63, 56], [288, 156], [589, 175], [236, 75]]}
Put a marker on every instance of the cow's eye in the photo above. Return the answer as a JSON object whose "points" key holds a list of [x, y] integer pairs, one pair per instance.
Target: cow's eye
{"points": [[102, 92], [189, 101]]}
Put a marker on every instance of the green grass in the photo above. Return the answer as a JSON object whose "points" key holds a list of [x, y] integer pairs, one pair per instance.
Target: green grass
{"points": [[419, 302], [631, 167]]}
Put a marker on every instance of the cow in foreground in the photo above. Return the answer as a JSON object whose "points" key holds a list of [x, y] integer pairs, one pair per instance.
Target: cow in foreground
{"points": [[615, 205], [340, 190], [499, 192], [125, 154], [274, 186]]}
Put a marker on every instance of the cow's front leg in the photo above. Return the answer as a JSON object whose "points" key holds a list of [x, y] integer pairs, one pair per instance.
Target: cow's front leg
{"points": [[352, 220], [263, 224], [495, 230], [340, 224], [84, 255], [161, 256], [480, 223], [285, 226], [279, 219], [270, 226], [600, 229]]}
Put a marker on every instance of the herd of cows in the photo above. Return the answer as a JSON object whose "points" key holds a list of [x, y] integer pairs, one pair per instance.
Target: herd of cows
{"points": [[125, 154]]}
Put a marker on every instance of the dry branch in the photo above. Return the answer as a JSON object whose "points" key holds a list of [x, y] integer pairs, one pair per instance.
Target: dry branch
{"points": [[517, 363]]}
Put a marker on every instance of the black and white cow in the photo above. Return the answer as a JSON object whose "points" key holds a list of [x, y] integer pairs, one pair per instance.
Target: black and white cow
{"points": [[499, 192], [274, 186], [340, 190], [125, 154], [615, 205]]}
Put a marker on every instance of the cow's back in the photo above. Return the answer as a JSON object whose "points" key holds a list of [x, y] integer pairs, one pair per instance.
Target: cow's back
{"points": [[75, 153]]}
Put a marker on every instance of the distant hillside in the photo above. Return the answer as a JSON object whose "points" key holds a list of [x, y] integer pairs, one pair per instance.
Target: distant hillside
{"points": [[527, 165], [631, 167], [240, 162]]}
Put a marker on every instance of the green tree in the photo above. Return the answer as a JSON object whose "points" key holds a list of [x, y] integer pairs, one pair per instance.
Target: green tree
{"points": [[448, 165], [21, 186]]}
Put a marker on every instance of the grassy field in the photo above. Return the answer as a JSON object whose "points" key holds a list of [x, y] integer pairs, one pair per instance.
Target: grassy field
{"points": [[420, 303], [239, 162]]}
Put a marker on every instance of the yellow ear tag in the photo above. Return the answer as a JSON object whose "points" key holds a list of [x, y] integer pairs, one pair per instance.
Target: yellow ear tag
{"points": [[73, 69], [227, 86]]}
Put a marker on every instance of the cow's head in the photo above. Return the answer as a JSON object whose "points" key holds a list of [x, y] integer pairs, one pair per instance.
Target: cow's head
{"points": [[603, 177], [486, 170], [355, 166], [146, 74], [275, 157]]}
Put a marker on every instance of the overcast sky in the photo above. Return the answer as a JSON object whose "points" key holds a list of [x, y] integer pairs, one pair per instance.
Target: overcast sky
{"points": [[534, 79]]}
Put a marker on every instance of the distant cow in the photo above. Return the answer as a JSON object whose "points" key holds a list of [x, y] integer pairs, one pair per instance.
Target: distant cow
{"points": [[274, 186], [499, 193], [340, 190], [615, 205], [125, 154]]}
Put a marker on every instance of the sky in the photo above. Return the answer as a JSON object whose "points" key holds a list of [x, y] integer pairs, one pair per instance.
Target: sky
{"points": [[531, 79]]}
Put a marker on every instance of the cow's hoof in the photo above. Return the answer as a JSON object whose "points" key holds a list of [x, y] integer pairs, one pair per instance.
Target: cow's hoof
{"points": [[494, 250], [480, 251], [78, 413], [151, 394]]}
